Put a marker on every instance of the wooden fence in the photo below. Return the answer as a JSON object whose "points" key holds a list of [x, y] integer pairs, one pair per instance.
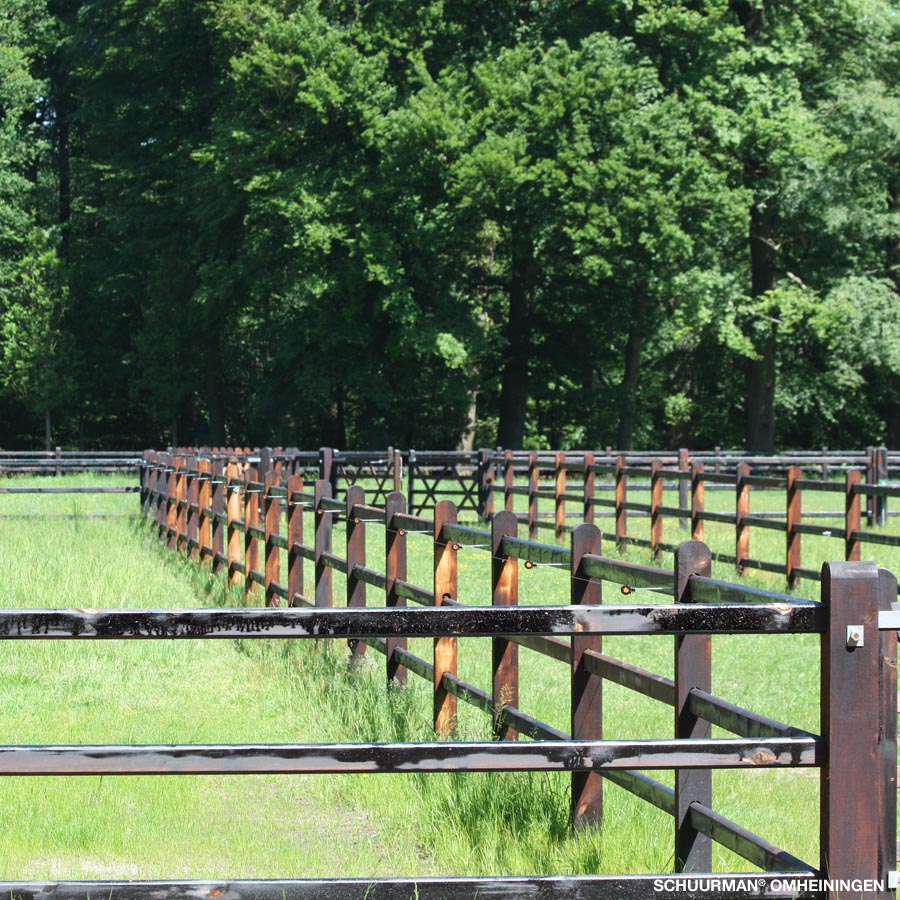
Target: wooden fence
{"points": [[583, 489], [59, 461], [554, 491], [223, 515]]}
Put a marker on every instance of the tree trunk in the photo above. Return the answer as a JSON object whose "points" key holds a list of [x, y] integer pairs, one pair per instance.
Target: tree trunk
{"points": [[760, 373], [48, 431], [514, 379], [631, 378]]}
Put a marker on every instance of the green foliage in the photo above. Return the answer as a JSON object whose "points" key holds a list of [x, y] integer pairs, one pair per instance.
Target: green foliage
{"points": [[308, 221]]}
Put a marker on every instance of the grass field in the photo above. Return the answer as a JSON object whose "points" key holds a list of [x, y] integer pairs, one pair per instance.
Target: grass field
{"points": [[270, 826]]}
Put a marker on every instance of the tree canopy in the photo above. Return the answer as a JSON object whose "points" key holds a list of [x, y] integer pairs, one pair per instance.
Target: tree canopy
{"points": [[361, 223]]}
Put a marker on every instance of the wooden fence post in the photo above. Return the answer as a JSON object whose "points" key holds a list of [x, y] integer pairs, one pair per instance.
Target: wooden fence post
{"points": [[656, 500], [698, 486], [684, 467], [509, 479], [794, 518], [192, 501], [533, 485], [166, 485], [589, 481], [411, 482], [233, 516], [251, 522], [858, 780], [396, 470], [218, 510], [295, 538], [172, 505], [182, 478], [395, 570], [326, 466], [887, 744], [879, 476], [445, 648], [505, 653], [486, 476], [586, 689], [693, 669], [146, 484], [178, 518], [621, 499], [871, 478], [323, 573], [559, 492], [741, 510], [356, 556], [272, 524], [852, 517], [204, 495]]}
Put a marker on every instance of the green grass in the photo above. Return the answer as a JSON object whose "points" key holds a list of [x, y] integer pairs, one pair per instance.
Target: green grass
{"points": [[282, 691], [153, 692]]}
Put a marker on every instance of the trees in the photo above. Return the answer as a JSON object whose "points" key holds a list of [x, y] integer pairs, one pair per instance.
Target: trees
{"points": [[34, 350], [366, 223]]}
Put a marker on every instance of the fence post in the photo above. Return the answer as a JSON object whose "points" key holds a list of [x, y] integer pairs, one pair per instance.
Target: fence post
{"points": [[586, 689], [167, 490], [742, 509], [505, 653], [397, 471], [698, 486], [172, 504], [295, 538], [852, 514], [684, 467], [395, 570], [693, 669], [323, 573], [879, 503], [178, 510], [326, 466], [857, 787], [486, 472], [265, 464], [589, 481], [173, 512], [656, 499], [251, 521], [218, 510], [204, 493], [794, 517], [272, 521], [411, 482], [887, 745], [445, 587], [192, 493], [559, 492], [356, 556], [621, 499], [509, 478], [233, 515], [145, 476], [533, 484], [871, 478]]}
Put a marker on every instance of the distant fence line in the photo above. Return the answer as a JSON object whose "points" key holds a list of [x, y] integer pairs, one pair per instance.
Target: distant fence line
{"points": [[556, 490], [59, 461], [560, 489]]}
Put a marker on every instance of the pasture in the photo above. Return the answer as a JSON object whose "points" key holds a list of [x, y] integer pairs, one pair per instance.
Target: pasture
{"points": [[300, 826]]}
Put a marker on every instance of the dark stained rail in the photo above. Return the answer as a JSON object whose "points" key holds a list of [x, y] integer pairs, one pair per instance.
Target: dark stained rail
{"points": [[359, 623]]}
